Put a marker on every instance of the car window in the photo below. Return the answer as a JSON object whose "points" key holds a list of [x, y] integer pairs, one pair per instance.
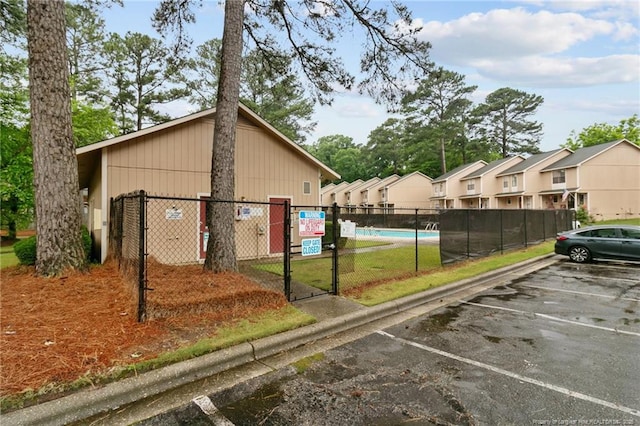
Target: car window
{"points": [[583, 234], [604, 233], [631, 233]]}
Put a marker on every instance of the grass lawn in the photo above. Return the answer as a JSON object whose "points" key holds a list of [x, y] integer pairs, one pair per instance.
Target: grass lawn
{"points": [[618, 222], [442, 275], [392, 264], [7, 257], [374, 265]]}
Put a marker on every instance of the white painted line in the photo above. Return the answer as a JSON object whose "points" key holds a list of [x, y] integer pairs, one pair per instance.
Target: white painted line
{"points": [[583, 293], [565, 391], [211, 411], [552, 318]]}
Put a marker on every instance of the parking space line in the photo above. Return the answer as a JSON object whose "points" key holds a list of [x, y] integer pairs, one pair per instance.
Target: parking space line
{"points": [[562, 390], [631, 299], [552, 318]]}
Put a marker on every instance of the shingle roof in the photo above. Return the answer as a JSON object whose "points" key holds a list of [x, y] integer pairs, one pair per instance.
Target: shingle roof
{"points": [[581, 155], [384, 181], [364, 184], [456, 171], [530, 162], [492, 165]]}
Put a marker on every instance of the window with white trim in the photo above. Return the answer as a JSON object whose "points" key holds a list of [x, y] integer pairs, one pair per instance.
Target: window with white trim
{"points": [[514, 181], [471, 185], [558, 176], [306, 187], [505, 183]]}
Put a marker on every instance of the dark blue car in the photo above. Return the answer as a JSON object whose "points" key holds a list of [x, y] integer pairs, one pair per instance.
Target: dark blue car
{"points": [[612, 242]]}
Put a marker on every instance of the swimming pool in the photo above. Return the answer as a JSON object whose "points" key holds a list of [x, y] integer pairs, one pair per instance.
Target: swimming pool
{"points": [[394, 233]]}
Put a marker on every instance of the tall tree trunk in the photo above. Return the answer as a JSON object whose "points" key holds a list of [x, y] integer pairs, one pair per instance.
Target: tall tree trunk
{"points": [[55, 167], [443, 156], [221, 248]]}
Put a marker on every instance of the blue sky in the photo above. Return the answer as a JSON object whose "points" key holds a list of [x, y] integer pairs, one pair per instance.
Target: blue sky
{"points": [[582, 57]]}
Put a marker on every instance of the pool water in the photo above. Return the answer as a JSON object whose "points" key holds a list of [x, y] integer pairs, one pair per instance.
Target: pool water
{"points": [[394, 233]]}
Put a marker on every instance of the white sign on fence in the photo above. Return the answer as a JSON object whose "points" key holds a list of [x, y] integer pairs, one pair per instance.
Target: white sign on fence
{"points": [[173, 214], [348, 229], [311, 246], [311, 223]]}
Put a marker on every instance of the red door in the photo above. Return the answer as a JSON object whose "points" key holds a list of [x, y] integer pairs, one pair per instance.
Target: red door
{"points": [[276, 225]]}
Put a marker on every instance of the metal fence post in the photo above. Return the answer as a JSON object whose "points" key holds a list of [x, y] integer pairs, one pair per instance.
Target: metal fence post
{"points": [[334, 261], [501, 232], [468, 234], [416, 242], [526, 238], [287, 250], [141, 259]]}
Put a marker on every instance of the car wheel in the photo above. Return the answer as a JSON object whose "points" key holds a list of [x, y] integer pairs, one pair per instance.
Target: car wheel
{"points": [[579, 254]]}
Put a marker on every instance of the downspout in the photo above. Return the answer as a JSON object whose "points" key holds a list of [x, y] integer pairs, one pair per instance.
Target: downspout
{"points": [[104, 243]]}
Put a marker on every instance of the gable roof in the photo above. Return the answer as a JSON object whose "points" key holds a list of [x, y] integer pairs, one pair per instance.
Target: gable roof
{"points": [[371, 181], [491, 166], [243, 110], [531, 161], [405, 177], [381, 182], [456, 171], [583, 155], [348, 186]]}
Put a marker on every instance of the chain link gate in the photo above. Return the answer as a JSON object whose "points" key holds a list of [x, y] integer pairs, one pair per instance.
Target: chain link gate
{"points": [[311, 255]]}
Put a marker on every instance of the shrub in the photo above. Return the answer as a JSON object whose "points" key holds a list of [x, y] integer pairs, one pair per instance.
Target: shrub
{"points": [[86, 242], [25, 250], [583, 216]]}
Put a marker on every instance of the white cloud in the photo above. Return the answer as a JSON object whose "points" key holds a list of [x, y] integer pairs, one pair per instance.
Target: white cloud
{"points": [[505, 33], [538, 71], [517, 46], [360, 109]]}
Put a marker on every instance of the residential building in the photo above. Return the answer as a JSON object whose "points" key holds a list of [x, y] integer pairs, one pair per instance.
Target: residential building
{"points": [[370, 196], [338, 195], [604, 179], [354, 196], [447, 188], [411, 191], [174, 159], [481, 184], [520, 185]]}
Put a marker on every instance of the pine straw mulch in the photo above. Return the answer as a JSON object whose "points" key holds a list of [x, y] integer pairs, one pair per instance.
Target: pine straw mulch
{"points": [[56, 330]]}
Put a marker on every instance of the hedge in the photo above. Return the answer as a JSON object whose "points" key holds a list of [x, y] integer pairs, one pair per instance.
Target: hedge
{"points": [[25, 250]]}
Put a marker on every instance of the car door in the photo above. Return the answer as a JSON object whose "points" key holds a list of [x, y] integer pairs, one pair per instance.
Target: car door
{"points": [[630, 243], [605, 243]]}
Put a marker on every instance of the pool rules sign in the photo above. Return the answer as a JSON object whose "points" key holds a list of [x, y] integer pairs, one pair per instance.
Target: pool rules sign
{"points": [[311, 224]]}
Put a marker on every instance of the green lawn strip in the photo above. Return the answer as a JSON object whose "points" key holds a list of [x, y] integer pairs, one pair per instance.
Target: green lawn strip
{"points": [[448, 274], [618, 222], [245, 330], [7, 257], [266, 324], [379, 264]]}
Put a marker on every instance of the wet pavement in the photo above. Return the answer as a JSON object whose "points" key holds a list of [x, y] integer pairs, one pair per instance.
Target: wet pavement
{"points": [[558, 346]]}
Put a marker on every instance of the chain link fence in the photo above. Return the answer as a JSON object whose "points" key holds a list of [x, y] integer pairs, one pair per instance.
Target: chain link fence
{"points": [[388, 245], [160, 243], [126, 243], [466, 234]]}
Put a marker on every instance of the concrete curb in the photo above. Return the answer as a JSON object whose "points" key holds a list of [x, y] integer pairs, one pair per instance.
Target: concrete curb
{"points": [[90, 402]]}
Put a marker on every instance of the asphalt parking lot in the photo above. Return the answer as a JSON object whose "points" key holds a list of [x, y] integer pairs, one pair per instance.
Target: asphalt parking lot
{"points": [[559, 346]]}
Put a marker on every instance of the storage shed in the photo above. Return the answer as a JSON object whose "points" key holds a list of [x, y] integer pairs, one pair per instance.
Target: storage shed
{"points": [[174, 159]]}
